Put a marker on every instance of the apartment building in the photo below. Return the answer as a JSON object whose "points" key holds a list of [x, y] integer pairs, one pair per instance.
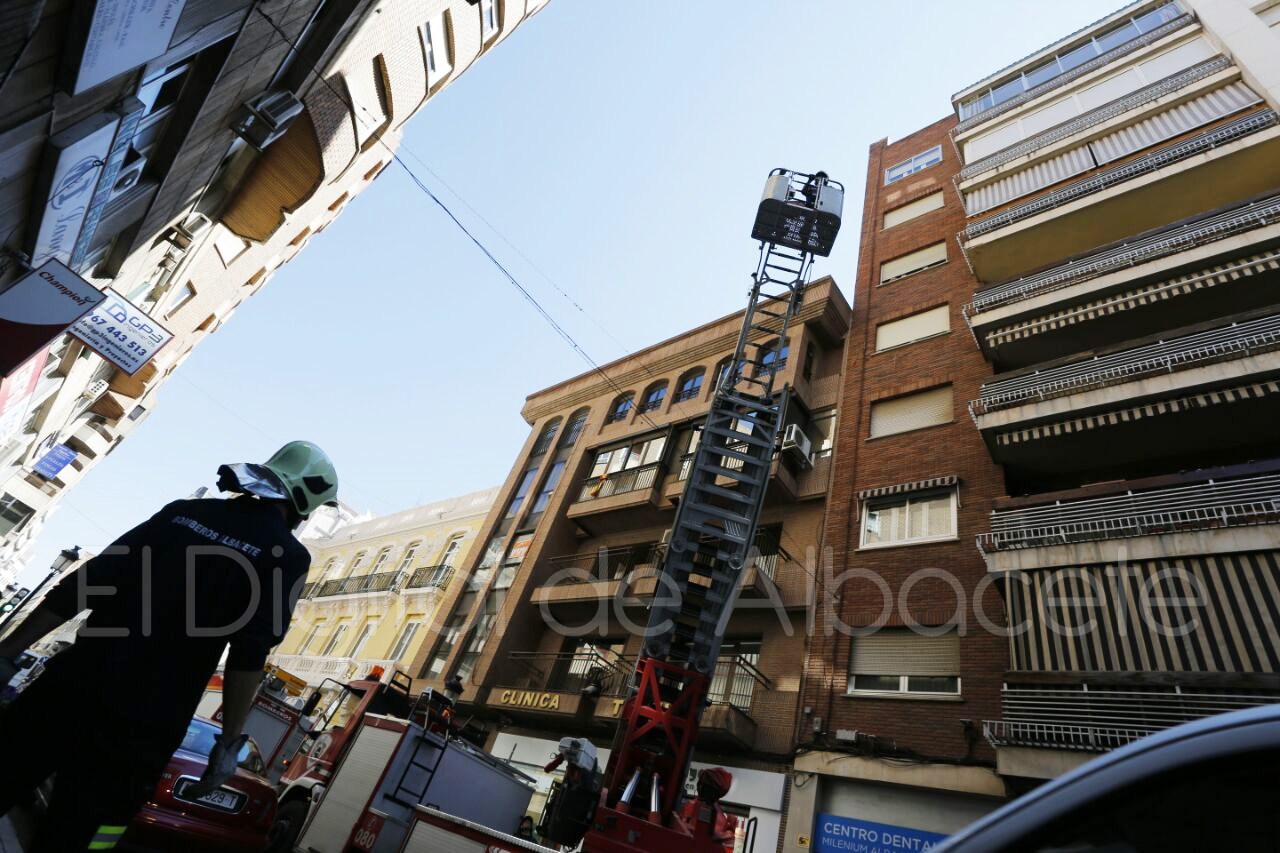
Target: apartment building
{"points": [[178, 158], [374, 586], [545, 631], [1066, 328]]}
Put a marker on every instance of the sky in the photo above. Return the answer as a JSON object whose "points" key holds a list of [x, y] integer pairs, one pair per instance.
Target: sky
{"points": [[612, 155]]}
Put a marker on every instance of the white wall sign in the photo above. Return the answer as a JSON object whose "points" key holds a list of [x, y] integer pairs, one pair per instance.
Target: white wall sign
{"points": [[15, 396], [123, 35], [77, 155], [121, 332]]}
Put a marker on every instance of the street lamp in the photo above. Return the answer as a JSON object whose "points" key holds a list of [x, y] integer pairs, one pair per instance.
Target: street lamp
{"points": [[66, 558]]}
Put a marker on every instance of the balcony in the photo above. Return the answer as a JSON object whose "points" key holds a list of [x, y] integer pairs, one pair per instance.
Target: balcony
{"points": [[378, 582], [1205, 171], [316, 668], [634, 490], [430, 577], [1084, 719], [1217, 516]]}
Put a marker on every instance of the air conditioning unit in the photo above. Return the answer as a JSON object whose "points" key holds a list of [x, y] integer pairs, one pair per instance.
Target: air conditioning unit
{"points": [[95, 389], [184, 234], [264, 119], [128, 177], [797, 444]]}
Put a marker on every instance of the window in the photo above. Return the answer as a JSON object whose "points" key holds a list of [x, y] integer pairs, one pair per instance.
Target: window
{"points": [[722, 371], [635, 455], [913, 210], [822, 432], [434, 668], [733, 682], [330, 568], [548, 488], [13, 514], [545, 437], [358, 646], [908, 520], [489, 18], [181, 298], [911, 411], [653, 397], [1120, 33], [921, 259], [406, 562], [383, 556], [522, 490], [406, 637], [429, 37], [311, 636], [898, 660], [621, 407], [577, 421], [450, 550], [810, 361], [916, 327], [910, 166], [333, 640], [357, 562], [773, 357], [689, 387]]}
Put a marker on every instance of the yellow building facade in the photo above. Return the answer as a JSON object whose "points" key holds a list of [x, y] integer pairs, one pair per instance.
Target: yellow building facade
{"points": [[374, 586]]}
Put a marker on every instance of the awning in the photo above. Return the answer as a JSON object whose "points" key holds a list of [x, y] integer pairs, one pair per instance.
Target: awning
{"points": [[917, 486], [1144, 295], [1188, 403]]}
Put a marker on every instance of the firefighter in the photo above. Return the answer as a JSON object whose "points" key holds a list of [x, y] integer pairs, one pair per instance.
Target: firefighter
{"points": [[200, 577]]}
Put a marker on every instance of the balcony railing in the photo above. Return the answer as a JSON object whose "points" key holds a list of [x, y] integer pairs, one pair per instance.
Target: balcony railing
{"points": [[572, 672], [1153, 162], [1228, 342], [606, 563], [620, 482], [379, 582], [735, 683], [308, 589], [430, 576], [1212, 229], [1201, 506], [1098, 720], [1096, 117]]}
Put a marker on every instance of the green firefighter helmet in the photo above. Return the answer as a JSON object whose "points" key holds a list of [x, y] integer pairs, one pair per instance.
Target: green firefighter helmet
{"points": [[307, 475]]}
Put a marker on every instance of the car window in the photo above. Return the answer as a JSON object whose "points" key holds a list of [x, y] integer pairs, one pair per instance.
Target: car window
{"points": [[199, 739], [250, 758], [1230, 803]]}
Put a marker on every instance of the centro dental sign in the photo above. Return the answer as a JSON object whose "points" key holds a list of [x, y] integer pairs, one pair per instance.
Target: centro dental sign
{"points": [[847, 835]]}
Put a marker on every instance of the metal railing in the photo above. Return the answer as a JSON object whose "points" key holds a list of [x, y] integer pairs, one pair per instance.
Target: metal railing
{"points": [[606, 563], [378, 582], [1096, 117], [1200, 506], [1227, 342], [1210, 229], [430, 576], [573, 672], [1074, 74], [735, 683], [308, 589], [1153, 162], [1085, 718], [620, 482]]}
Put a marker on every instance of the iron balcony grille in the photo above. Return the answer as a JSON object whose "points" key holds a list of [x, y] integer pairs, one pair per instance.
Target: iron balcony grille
{"points": [[380, 582], [573, 672], [1072, 75], [688, 394], [1252, 123], [1096, 117], [735, 683], [1098, 720], [430, 576], [1200, 506], [308, 589], [620, 482], [606, 563], [1228, 342], [1212, 229]]}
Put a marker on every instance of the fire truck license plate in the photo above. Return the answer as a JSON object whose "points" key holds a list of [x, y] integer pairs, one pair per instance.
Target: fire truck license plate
{"points": [[227, 801]]}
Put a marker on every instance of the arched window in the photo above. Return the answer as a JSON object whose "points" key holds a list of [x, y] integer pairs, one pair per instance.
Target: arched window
{"points": [[573, 429], [722, 370], [451, 549], [653, 397], [357, 562], [406, 562], [545, 437], [773, 356], [621, 407], [690, 385]]}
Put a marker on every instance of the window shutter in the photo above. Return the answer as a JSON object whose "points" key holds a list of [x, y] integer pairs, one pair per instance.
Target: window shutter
{"points": [[914, 411], [902, 652], [907, 212], [1183, 118], [921, 259], [935, 321]]}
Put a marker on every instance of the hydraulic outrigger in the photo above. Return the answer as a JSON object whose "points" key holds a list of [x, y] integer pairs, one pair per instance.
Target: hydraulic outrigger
{"points": [[638, 807]]}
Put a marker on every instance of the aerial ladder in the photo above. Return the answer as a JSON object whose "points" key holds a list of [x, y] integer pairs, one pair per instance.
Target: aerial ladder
{"points": [[639, 805]]}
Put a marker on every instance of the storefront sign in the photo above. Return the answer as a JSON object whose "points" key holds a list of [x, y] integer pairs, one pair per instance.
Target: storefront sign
{"points": [[530, 699], [124, 34], [846, 835], [73, 163], [121, 332], [53, 461], [39, 307], [15, 396]]}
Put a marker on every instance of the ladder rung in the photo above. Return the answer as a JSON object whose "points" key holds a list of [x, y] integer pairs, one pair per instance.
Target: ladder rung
{"points": [[721, 512], [738, 435], [718, 532], [734, 454], [728, 494], [731, 474]]}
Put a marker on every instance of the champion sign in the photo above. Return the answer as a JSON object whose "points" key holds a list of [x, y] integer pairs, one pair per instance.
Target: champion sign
{"points": [[39, 307]]}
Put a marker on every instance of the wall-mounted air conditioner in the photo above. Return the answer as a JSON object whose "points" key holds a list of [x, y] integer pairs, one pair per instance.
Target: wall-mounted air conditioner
{"points": [[264, 119], [797, 445]]}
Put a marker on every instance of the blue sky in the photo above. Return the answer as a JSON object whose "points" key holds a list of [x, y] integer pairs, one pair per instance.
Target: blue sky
{"points": [[621, 149]]}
